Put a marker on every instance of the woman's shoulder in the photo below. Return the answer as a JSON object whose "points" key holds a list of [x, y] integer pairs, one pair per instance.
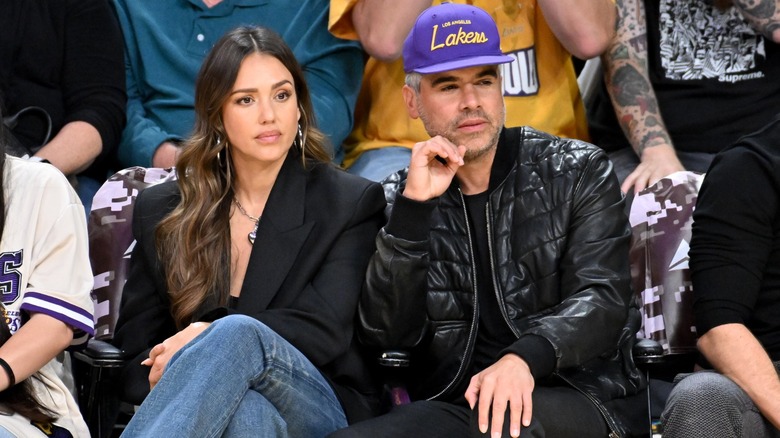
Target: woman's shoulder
{"points": [[335, 186], [161, 192], [332, 176], [157, 200], [28, 180]]}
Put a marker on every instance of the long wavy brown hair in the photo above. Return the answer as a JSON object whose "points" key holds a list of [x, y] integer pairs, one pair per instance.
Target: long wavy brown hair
{"points": [[193, 241]]}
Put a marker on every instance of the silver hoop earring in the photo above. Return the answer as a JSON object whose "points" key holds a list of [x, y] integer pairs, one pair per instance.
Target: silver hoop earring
{"points": [[301, 140]]}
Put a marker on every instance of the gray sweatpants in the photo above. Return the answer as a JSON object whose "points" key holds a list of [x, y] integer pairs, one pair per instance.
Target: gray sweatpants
{"points": [[707, 404]]}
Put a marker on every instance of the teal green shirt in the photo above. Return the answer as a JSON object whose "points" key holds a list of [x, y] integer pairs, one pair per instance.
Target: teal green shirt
{"points": [[166, 41]]}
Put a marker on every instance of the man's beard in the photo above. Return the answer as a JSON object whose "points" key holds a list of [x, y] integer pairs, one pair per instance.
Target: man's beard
{"points": [[471, 155]]}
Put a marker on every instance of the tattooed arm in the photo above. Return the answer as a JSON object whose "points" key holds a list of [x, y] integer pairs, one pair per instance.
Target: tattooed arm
{"points": [[763, 15], [628, 81]]}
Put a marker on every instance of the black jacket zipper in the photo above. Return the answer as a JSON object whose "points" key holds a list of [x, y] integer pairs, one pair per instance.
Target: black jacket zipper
{"points": [[475, 317]]}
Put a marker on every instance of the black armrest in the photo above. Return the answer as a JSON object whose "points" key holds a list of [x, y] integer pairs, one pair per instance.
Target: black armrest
{"points": [[394, 366], [101, 354], [394, 359], [647, 351], [96, 369]]}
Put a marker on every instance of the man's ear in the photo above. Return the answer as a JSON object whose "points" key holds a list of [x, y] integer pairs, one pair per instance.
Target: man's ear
{"points": [[410, 98]]}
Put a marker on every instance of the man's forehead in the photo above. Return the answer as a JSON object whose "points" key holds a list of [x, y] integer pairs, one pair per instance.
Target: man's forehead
{"points": [[462, 74]]}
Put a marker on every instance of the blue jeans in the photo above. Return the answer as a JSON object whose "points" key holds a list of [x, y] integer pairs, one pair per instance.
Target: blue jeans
{"points": [[378, 164], [239, 379], [86, 189]]}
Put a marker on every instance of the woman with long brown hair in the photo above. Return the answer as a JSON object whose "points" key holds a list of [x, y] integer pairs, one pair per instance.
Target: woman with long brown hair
{"points": [[239, 307]]}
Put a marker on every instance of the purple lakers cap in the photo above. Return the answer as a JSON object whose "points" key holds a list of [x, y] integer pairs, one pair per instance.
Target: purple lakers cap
{"points": [[452, 36]]}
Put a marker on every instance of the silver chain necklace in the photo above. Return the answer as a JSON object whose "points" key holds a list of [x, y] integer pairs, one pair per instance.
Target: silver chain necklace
{"points": [[252, 234]]}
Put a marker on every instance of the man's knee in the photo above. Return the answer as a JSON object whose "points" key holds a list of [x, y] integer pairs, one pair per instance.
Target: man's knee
{"points": [[705, 391], [702, 400]]}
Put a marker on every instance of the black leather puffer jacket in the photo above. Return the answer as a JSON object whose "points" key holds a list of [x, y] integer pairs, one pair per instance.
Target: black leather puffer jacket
{"points": [[559, 243]]}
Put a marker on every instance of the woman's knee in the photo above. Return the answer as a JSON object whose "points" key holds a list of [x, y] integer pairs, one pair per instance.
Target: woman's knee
{"points": [[233, 333], [237, 326]]}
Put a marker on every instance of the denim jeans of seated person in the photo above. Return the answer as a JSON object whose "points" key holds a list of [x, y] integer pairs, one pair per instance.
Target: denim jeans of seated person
{"points": [[239, 379], [378, 164]]}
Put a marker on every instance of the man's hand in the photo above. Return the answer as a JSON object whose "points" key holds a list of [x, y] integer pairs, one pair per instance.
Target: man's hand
{"points": [[657, 162], [507, 381], [165, 156], [428, 176], [161, 354]]}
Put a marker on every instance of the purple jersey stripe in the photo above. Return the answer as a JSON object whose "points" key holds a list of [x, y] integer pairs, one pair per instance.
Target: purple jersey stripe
{"points": [[72, 315]]}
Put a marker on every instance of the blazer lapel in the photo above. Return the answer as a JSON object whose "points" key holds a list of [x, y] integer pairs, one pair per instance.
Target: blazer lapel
{"points": [[280, 237]]}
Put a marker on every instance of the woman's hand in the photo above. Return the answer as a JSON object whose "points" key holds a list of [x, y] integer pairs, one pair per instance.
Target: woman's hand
{"points": [[162, 353]]}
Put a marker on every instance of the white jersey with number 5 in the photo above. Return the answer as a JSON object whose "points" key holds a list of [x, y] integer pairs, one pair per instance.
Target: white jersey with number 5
{"points": [[45, 269]]}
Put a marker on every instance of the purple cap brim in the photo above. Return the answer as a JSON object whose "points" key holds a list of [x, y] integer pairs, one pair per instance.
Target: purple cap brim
{"points": [[456, 64]]}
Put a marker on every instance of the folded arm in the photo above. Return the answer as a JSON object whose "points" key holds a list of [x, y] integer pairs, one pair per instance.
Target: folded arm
{"points": [[142, 137], [93, 89], [74, 148], [731, 245], [393, 304], [584, 28], [736, 353], [384, 42]]}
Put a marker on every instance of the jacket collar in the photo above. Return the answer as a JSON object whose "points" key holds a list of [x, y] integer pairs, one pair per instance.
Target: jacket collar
{"points": [[281, 233], [509, 143]]}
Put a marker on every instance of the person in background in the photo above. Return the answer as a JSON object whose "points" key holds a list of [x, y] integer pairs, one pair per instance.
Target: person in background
{"points": [[683, 80], [735, 269], [64, 57], [503, 266], [46, 304], [243, 286], [166, 43], [539, 86]]}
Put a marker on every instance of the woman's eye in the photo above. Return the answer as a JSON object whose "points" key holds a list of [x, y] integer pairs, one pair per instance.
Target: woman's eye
{"points": [[244, 100], [283, 95]]}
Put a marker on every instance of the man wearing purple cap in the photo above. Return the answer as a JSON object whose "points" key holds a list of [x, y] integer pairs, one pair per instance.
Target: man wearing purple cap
{"points": [[503, 268]]}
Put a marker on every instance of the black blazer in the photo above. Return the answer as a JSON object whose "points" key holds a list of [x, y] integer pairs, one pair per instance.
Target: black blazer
{"points": [[303, 280]]}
